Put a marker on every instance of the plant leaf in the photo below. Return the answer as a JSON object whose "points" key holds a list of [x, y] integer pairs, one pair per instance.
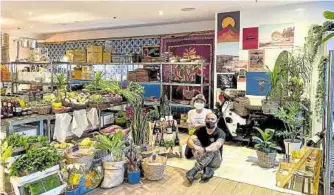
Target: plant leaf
{"points": [[329, 15], [257, 140], [328, 37]]}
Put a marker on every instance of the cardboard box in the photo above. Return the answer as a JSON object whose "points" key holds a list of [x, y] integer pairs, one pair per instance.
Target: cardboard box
{"points": [[94, 49], [86, 76], [6, 76], [94, 57], [106, 57], [77, 74], [79, 56]]}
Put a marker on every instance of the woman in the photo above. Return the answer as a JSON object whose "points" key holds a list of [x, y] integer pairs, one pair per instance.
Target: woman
{"points": [[196, 117]]}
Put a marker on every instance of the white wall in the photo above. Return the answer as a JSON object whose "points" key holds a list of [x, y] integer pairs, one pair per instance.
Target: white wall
{"points": [[133, 32]]}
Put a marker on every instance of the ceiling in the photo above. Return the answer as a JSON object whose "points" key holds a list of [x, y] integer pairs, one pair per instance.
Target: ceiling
{"points": [[43, 17]]}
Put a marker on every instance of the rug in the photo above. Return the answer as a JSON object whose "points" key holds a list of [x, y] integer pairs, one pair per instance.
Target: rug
{"points": [[239, 164]]}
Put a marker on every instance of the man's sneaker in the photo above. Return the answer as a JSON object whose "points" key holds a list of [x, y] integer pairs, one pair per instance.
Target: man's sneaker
{"points": [[191, 175], [207, 175]]}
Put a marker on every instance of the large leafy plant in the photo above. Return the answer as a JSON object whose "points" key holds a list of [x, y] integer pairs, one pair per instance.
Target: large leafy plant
{"points": [[113, 144], [330, 16], [290, 115], [264, 143], [5, 151]]}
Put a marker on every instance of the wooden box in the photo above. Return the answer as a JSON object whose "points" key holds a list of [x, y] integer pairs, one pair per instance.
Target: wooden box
{"points": [[94, 49], [132, 76], [94, 57], [79, 56], [77, 74], [5, 76]]}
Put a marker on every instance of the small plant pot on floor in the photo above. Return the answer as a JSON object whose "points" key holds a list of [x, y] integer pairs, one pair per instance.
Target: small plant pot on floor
{"points": [[266, 160], [134, 177]]}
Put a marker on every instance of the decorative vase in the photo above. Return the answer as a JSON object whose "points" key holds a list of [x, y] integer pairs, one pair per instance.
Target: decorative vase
{"points": [[266, 160], [292, 146], [134, 177]]}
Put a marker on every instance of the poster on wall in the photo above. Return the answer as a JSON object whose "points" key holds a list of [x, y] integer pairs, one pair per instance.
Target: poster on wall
{"points": [[228, 27], [257, 83], [256, 61], [276, 35], [226, 63], [226, 81], [250, 38], [241, 67]]}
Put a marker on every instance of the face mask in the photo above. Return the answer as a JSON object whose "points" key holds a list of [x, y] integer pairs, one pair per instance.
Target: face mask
{"points": [[198, 105], [210, 124]]}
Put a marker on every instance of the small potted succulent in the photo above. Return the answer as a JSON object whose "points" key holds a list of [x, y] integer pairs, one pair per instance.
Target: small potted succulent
{"points": [[266, 150], [132, 154], [121, 119]]}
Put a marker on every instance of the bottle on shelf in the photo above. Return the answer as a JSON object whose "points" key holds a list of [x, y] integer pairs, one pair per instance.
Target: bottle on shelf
{"points": [[177, 139], [18, 108], [10, 109], [316, 139], [162, 141]]}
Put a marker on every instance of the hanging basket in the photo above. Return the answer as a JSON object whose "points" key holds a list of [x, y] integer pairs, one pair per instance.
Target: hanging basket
{"points": [[266, 160], [154, 170]]}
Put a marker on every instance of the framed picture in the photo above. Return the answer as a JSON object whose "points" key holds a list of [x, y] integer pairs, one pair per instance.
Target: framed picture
{"points": [[256, 61], [228, 27], [151, 51], [226, 63], [257, 83], [276, 35]]}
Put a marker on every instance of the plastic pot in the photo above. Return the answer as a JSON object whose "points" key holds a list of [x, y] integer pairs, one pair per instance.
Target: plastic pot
{"points": [[134, 177]]}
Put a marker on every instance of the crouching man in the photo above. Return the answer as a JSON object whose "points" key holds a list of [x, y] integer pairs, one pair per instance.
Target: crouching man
{"points": [[206, 145]]}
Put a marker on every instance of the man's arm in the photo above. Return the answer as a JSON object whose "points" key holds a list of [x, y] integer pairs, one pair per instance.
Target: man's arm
{"points": [[191, 142], [215, 146]]}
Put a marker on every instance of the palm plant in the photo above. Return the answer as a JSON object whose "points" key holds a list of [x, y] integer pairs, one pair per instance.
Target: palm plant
{"points": [[96, 84], [61, 85], [290, 115], [264, 143]]}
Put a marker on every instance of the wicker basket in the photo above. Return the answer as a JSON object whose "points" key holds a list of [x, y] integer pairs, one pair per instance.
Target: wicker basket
{"points": [[154, 170], [266, 160], [268, 106], [41, 110], [85, 155], [72, 105], [99, 105], [240, 106], [61, 110]]}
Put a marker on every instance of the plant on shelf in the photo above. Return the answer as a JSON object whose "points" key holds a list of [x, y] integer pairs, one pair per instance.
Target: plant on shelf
{"points": [[36, 159], [139, 124], [17, 141], [133, 93], [134, 158], [121, 118], [95, 85], [290, 114], [266, 150]]}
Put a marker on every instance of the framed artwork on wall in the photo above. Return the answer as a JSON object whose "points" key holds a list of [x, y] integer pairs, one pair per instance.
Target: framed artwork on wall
{"points": [[250, 38], [256, 61], [276, 35], [257, 83], [228, 27], [226, 63]]}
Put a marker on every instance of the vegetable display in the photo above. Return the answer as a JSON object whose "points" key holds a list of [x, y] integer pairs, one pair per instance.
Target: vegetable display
{"points": [[36, 159]]}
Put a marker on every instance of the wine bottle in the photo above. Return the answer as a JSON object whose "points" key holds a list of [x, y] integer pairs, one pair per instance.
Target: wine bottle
{"points": [[316, 139], [177, 139], [18, 109], [162, 141]]}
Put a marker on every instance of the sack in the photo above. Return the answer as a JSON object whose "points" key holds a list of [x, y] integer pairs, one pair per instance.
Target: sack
{"points": [[113, 174]]}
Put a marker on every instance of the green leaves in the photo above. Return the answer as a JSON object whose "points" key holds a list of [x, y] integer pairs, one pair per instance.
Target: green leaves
{"points": [[329, 15], [264, 143], [5, 151], [328, 37], [113, 144]]}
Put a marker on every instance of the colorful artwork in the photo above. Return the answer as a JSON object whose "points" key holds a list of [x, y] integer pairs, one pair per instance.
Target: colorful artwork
{"points": [[257, 83], [250, 38], [226, 63], [256, 61], [228, 27], [226, 81], [276, 35]]}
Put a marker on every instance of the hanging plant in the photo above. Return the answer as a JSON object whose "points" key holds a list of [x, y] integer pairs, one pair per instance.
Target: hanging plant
{"points": [[321, 91], [330, 16]]}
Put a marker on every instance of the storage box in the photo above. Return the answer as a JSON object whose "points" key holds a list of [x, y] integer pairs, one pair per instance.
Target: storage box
{"points": [[6, 76], [94, 49], [86, 75], [132, 76], [106, 57], [94, 57], [77, 74], [107, 119], [79, 56]]}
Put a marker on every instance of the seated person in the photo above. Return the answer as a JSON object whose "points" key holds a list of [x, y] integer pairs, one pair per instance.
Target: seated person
{"points": [[206, 145], [196, 117]]}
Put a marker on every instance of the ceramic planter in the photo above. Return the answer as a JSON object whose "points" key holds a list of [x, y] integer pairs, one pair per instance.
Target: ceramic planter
{"points": [[266, 160], [292, 146]]}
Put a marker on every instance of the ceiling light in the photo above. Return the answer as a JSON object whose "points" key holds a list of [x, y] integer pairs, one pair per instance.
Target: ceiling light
{"points": [[30, 13], [188, 9], [161, 13], [30, 26], [300, 9]]}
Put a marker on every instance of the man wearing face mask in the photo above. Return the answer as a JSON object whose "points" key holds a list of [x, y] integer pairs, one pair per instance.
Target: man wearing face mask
{"points": [[206, 145], [196, 117]]}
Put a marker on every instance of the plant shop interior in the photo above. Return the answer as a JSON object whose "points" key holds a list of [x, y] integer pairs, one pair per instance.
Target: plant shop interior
{"points": [[167, 97]]}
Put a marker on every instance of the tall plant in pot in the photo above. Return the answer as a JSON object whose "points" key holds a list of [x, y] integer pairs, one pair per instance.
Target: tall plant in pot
{"points": [[290, 114], [114, 166], [139, 124], [134, 158], [266, 150]]}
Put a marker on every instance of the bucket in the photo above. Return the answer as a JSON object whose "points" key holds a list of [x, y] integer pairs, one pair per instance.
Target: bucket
{"points": [[134, 177]]}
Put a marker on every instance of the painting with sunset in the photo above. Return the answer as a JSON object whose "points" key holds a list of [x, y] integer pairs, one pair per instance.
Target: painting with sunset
{"points": [[228, 27]]}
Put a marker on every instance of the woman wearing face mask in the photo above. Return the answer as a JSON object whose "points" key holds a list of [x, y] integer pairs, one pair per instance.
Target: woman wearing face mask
{"points": [[196, 117]]}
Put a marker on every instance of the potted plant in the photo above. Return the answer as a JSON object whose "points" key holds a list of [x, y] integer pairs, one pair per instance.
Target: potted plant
{"points": [[139, 124], [114, 166], [134, 159], [5, 153], [290, 114], [265, 149], [121, 118]]}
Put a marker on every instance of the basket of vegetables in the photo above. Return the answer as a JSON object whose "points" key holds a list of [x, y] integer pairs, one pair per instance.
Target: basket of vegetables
{"points": [[98, 101], [40, 107], [76, 101]]}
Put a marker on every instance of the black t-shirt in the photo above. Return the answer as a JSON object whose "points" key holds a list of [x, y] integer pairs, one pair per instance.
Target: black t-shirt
{"points": [[206, 139]]}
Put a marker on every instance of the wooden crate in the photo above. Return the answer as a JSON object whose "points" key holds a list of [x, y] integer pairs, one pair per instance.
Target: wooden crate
{"points": [[297, 176], [77, 74]]}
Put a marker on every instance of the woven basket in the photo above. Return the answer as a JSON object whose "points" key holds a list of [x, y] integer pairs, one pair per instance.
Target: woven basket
{"points": [[268, 107], [72, 105], [240, 106], [41, 110], [266, 160], [85, 155], [100, 105], [154, 170]]}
